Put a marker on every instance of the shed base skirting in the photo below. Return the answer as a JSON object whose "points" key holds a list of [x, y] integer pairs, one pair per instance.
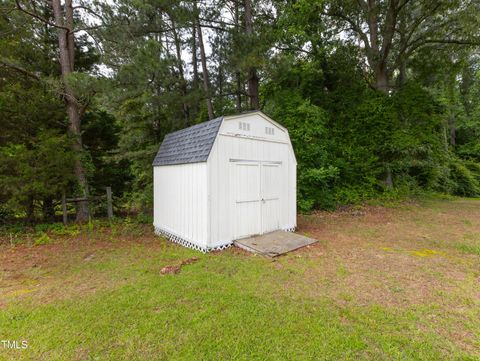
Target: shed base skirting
{"points": [[183, 242]]}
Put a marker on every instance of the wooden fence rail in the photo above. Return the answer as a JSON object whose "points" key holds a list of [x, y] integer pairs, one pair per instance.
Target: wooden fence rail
{"points": [[66, 200]]}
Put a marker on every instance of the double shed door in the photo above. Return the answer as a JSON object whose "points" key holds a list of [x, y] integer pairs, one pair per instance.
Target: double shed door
{"points": [[257, 192]]}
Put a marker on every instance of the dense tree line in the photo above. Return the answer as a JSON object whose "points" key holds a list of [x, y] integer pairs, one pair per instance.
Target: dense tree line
{"points": [[381, 97]]}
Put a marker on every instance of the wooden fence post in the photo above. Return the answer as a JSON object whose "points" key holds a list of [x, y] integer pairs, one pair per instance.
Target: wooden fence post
{"points": [[64, 208], [109, 203]]}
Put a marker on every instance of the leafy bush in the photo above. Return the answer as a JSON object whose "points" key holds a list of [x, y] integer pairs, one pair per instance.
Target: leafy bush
{"points": [[474, 167], [352, 139], [61, 230], [35, 173], [306, 125], [465, 181], [43, 227], [144, 218], [42, 239], [355, 194], [6, 214], [314, 188], [58, 229]]}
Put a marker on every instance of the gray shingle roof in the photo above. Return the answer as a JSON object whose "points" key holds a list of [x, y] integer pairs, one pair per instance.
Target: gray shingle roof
{"points": [[189, 145]]}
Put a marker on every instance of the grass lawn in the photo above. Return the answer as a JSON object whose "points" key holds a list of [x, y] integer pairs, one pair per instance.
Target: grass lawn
{"points": [[399, 283]]}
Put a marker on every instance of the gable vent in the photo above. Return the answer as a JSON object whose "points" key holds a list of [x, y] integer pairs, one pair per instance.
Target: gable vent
{"points": [[269, 131], [244, 126]]}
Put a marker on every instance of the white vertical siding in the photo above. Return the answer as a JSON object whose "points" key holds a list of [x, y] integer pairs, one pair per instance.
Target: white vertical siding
{"points": [[255, 145], [203, 203], [180, 201], [291, 221]]}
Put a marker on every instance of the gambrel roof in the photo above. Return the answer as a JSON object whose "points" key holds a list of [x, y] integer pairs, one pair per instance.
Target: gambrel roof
{"points": [[189, 145]]}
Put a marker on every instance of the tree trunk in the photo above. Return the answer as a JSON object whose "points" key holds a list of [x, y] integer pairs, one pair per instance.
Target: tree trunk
{"points": [[239, 92], [30, 210], [253, 89], [181, 76], [252, 78], [83, 213], [376, 53], [48, 210], [206, 82], [220, 81], [402, 73], [453, 135], [445, 135], [452, 121], [402, 68], [238, 75], [381, 78], [453, 129], [388, 177], [195, 80], [194, 57], [70, 35], [66, 49]]}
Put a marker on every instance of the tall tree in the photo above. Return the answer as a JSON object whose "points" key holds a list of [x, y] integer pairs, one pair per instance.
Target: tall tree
{"points": [[392, 31], [63, 15], [238, 79], [64, 23], [205, 77], [252, 77], [181, 76], [36, 162]]}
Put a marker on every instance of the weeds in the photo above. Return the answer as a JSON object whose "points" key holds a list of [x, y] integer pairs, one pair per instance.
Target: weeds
{"points": [[469, 248], [42, 239]]}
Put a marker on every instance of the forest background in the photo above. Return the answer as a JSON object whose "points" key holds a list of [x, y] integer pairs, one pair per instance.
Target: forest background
{"points": [[381, 97]]}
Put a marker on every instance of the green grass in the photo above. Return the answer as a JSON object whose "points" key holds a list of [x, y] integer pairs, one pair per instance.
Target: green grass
{"points": [[233, 306], [223, 307], [469, 248]]}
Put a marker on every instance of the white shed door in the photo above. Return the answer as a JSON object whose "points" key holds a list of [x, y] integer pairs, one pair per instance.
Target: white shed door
{"points": [[247, 199], [257, 197], [271, 185]]}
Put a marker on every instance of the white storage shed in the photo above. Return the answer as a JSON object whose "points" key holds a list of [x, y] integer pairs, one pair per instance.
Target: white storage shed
{"points": [[226, 179]]}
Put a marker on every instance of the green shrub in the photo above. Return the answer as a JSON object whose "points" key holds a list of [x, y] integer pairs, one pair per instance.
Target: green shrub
{"points": [[143, 218], [6, 215], [474, 167], [43, 227], [61, 230], [42, 239], [58, 229], [306, 122], [15, 228], [465, 182], [349, 139]]}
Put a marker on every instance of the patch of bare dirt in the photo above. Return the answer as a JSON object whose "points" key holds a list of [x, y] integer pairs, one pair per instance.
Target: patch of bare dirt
{"points": [[29, 269], [390, 256], [176, 268]]}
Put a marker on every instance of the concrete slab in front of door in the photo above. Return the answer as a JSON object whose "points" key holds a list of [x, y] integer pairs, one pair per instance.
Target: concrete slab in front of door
{"points": [[275, 243]]}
